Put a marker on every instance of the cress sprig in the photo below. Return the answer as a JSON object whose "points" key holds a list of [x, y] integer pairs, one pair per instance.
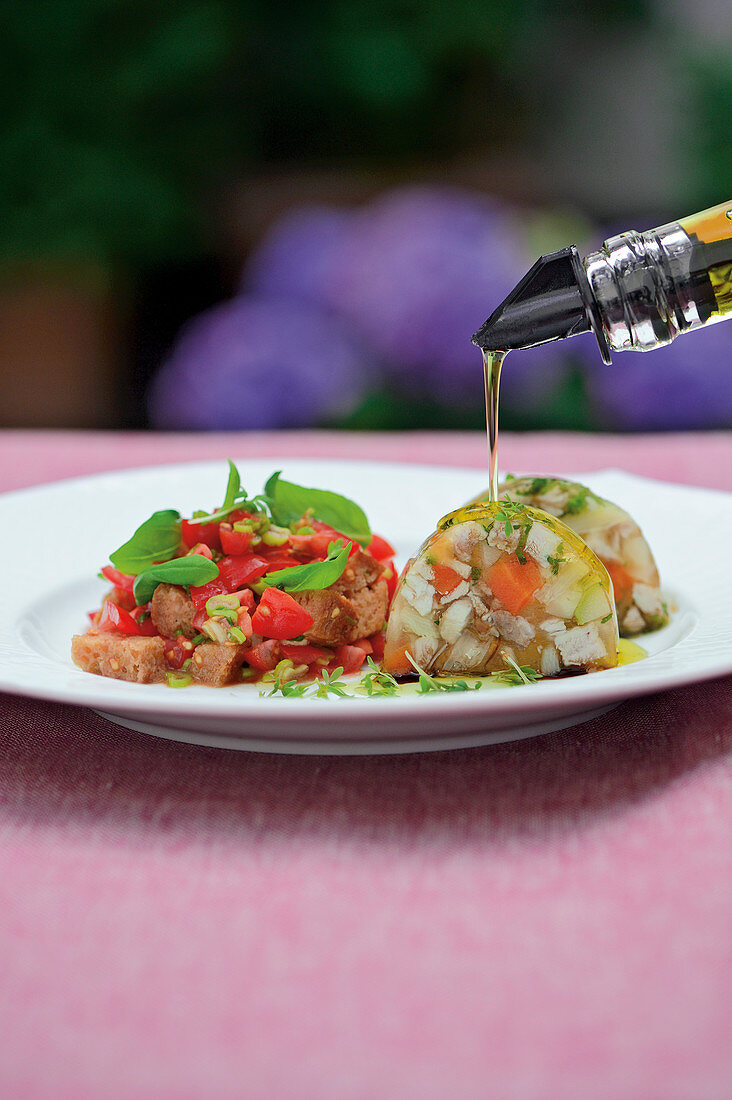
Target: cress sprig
{"points": [[516, 674], [428, 683], [510, 510]]}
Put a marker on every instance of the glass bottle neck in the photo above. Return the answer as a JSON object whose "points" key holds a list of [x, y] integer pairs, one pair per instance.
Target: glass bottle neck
{"points": [[650, 287]]}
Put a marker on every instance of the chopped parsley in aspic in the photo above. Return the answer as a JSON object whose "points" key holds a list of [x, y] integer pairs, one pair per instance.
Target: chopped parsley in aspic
{"points": [[513, 517], [556, 560]]}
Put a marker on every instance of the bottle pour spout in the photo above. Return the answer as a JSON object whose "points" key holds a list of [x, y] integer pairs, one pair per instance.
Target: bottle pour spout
{"points": [[552, 301]]}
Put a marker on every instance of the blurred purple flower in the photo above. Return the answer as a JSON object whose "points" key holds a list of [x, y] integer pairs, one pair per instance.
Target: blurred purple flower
{"points": [[414, 274], [687, 384], [296, 258], [419, 273], [258, 362]]}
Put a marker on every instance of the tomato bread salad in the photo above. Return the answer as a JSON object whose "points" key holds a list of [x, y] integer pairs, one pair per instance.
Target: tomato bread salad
{"points": [[290, 582]]}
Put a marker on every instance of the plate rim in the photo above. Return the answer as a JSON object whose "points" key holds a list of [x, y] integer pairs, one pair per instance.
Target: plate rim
{"points": [[613, 685]]}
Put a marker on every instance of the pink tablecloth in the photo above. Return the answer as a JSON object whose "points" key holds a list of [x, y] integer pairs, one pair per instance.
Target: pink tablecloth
{"points": [[545, 919]]}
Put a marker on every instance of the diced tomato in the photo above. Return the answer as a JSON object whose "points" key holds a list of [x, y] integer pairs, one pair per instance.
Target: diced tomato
{"points": [[146, 627], [446, 578], [305, 654], [391, 577], [316, 546], [242, 569], [280, 563], [377, 645], [115, 618], [246, 598], [202, 592], [326, 531], [380, 549], [177, 650], [244, 622], [202, 549], [365, 645], [120, 580], [280, 616], [311, 546], [349, 657], [192, 532], [513, 583], [264, 656], [234, 542], [123, 599], [277, 553], [200, 618]]}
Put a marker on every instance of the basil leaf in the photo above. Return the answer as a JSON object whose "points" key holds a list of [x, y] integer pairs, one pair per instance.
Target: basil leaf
{"points": [[312, 575], [288, 502], [235, 498], [157, 539], [193, 569], [233, 486]]}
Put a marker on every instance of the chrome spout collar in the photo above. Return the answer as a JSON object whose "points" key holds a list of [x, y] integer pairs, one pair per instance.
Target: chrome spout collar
{"points": [[642, 285]]}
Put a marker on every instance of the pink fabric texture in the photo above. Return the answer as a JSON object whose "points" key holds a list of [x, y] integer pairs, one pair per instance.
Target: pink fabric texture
{"points": [[694, 458], [550, 918]]}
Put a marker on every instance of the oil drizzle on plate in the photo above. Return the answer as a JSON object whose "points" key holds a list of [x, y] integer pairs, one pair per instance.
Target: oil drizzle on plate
{"points": [[630, 652]]}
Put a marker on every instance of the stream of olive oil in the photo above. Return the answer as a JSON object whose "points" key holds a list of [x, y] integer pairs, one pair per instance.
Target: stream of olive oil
{"points": [[492, 362]]}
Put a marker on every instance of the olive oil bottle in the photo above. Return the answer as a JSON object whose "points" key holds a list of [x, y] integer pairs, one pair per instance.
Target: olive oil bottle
{"points": [[712, 232], [638, 292]]}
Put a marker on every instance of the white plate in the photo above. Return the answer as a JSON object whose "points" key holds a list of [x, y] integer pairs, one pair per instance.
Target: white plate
{"points": [[58, 536]]}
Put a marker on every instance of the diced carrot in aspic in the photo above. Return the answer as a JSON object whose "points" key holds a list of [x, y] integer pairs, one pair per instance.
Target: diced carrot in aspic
{"points": [[395, 660], [446, 578], [622, 580], [513, 583]]}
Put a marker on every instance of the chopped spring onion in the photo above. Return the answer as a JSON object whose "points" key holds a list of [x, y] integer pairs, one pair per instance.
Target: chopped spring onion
{"points": [[215, 631], [178, 679], [223, 606], [276, 536]]}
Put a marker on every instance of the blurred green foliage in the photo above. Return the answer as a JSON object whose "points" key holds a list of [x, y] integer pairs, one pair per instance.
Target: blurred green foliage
{"points": [[567, 404], [121, 119], [392, 77], [115, 117], [710, 76]]}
